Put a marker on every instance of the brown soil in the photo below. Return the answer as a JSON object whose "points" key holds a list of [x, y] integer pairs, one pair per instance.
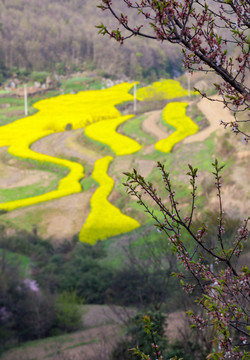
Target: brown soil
{"points": [[177, 325], [145, 167], [66, 216], [65, 144], [151, 125], [214, 112], [60, 219], [97, 315], [121, 164], [11, 177]]}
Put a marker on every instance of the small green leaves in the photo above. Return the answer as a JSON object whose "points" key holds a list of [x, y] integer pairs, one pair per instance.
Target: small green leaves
{"points": [[193, 171], [189, 313], [103, 29], [245, 270]]}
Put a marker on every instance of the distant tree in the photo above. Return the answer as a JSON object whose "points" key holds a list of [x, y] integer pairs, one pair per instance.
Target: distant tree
{"points": [[213, 35], [26, 312]]}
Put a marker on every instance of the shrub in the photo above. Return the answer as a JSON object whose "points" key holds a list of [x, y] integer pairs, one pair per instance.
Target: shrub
{"points": [[68, 312], [39, 76], [139, 338]]}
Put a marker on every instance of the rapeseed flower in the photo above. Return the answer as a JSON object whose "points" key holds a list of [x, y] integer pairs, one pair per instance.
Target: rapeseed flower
{"points": [[54, 114], [175, 114], [160, 90], [105, 220], [105, 132]]}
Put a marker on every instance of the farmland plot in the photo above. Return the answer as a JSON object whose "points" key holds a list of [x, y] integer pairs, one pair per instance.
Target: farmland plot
{"points": [[94, 111]]}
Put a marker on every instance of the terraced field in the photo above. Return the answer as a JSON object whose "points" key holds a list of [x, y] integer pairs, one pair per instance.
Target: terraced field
{"points": [[50, 161]]}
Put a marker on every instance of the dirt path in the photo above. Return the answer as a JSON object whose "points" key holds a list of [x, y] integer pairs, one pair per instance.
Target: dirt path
{"points": [[150, 125], [214, 112]]}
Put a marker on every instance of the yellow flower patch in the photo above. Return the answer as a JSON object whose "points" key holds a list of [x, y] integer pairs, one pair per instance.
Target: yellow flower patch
{"points": [[105, 220], [79, 110], [54, 114], [175, 114], [160, 90], [105, 132], [94, 110], [68, 185]]}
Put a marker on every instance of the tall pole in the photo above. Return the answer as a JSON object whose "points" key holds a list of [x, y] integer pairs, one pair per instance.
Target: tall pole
{"points": [[25, 100], [134, 97]]}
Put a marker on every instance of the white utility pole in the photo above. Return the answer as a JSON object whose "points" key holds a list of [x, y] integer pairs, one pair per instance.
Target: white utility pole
{"points": [[25, 99], [134, 97]]}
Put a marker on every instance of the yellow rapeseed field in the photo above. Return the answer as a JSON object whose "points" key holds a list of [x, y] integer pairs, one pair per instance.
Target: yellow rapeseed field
{"points": [[175, 114], [54, 114], [95, 111], [105, 132], [68, 185], [160, 90], [105, 220]]}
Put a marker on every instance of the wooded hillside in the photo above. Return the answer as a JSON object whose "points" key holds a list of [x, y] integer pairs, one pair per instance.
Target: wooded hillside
{"points": [[61, 36]]}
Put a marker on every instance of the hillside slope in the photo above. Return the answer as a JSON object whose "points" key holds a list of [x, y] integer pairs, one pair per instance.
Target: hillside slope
{"points": [[72, 211], [71, 41]]}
